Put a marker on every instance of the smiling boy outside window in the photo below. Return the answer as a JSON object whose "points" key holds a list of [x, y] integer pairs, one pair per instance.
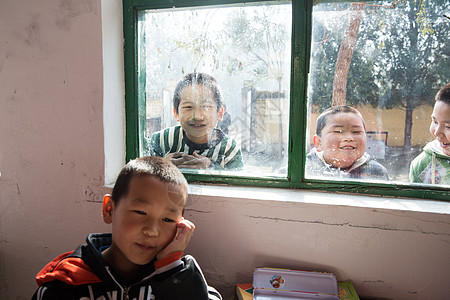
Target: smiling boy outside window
{"points": [[433, 164], [340, 147], [196, 143]]}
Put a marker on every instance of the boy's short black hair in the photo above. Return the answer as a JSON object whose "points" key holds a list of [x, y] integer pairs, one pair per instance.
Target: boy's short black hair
{"points": [[443, 94], [198, 79], [160, 167], [323, 117]]}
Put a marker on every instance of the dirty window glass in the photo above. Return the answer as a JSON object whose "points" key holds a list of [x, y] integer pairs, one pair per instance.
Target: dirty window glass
{"points": [[387, 59], [246, 48]]}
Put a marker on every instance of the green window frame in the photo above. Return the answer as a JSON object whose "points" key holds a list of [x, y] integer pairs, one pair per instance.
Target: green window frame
{"points": [[300, 59]]}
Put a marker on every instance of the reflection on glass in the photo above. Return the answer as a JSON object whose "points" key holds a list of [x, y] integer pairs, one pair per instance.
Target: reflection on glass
{"points": [[387, 61], [247, 50]]}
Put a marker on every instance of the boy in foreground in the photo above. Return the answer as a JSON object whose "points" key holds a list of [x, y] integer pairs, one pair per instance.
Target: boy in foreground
{"points": [[142, 258], [196, 143], [340, 147], [432, 166]]}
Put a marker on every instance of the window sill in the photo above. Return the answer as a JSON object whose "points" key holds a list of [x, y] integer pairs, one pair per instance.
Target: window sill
{"points": [[321, 198]]}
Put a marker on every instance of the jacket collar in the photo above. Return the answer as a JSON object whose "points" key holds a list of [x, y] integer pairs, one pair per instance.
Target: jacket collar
{"points": [[359, 162]]}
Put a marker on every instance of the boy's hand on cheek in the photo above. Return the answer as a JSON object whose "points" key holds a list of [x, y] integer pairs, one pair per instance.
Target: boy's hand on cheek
{"points": [[185, 229]]}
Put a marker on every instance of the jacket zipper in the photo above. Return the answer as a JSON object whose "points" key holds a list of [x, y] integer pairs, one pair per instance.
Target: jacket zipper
{"points": [[125, 293], [433, 168], [124, 289]]}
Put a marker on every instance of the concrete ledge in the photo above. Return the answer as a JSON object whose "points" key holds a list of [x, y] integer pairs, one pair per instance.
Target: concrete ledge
{"points": [[313, 197]]}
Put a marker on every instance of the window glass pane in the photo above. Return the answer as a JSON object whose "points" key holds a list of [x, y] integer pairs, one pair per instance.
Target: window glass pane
{"points": [[387, 61], [246, 49]]}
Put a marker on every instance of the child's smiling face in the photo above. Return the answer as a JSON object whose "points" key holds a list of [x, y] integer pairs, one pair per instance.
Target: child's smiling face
{"points": [[440, 125], [198, 113], [343, 140]]}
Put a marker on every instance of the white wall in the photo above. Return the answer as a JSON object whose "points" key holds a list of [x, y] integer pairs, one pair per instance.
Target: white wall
{"points": [[52, 165], [113, 89]]}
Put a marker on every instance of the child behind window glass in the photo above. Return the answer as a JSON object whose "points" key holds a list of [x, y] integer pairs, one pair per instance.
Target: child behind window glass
{"points": [[340, 147]]}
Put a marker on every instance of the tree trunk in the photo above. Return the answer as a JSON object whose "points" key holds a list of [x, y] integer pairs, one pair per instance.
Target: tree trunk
{"points": [[408, 127], [413, 99], [345, 55]]}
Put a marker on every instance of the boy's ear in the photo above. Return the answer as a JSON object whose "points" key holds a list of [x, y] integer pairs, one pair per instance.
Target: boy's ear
{"points": [[317, 143], [220, 114], [107, 209], [176, 115]]}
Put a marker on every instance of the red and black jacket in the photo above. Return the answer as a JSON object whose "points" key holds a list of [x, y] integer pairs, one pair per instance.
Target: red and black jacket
{"points": [[84, 274]]}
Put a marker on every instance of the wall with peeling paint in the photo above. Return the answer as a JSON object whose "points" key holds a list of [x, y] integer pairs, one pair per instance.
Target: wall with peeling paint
{"points": [[52, 165], [51, 134], [389, 248]]}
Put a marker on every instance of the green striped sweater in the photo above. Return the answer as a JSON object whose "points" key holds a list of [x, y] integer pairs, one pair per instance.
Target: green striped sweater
{"points": [[223, 151]]}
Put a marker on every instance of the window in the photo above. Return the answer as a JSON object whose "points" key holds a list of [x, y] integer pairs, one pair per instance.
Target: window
{"points": [[279, 65], [247, 49]]}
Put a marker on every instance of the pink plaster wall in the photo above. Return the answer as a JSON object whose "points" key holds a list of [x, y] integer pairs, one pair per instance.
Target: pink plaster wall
{"points": [[51, 134], [386, 253]]}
